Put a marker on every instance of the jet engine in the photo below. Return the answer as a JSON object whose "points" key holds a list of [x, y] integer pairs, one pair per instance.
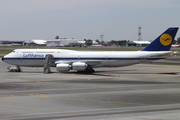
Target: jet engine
{"points": [[63, 67], [79, 66]]}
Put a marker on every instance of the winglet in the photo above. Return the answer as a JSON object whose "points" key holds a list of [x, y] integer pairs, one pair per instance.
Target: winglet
{"points": [[164, 41]]}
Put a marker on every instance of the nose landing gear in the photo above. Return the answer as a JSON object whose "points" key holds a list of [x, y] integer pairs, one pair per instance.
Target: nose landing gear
{"points": [[14, 69]]}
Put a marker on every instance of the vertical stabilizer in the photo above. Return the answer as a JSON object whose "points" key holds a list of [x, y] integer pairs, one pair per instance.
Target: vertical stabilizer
{"points": [[163, 42]]}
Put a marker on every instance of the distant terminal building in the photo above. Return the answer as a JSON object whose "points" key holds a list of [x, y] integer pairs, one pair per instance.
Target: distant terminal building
{"points": [[49, 43], [82, 43], [110, 44], [61, 42], [67, 43], [139, 43], [35, 42], [11, 43], [5, 43], [79, 43]]}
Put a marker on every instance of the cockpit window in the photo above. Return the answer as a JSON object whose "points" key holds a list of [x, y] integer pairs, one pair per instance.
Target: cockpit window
{"points": [[13, 51]]}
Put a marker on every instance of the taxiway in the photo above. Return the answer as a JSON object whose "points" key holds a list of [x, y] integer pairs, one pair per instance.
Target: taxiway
{"points": [[138, 92]]}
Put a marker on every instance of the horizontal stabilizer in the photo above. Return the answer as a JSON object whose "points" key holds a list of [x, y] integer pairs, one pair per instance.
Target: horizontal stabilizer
{"points": [[162, 55]]}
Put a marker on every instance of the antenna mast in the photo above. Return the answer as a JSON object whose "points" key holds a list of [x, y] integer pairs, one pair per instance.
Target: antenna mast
{"points": [[139, 34]]}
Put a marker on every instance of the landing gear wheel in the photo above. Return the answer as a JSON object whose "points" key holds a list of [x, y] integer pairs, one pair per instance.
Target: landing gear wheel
{"points": [[18, 69], [90, 70], [14, 69]]}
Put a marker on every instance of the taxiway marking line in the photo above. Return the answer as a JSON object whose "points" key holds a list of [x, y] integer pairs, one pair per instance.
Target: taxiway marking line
{"points": [[35, 94], [118, 102], [139, 88], [85, 113], [174, 89], [110, 87], [43, 96]]}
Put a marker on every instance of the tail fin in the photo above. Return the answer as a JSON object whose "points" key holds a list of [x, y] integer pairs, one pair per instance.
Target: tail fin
{"points": [[163, 42]]}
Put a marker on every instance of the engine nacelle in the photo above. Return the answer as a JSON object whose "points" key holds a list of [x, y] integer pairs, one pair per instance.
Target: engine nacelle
{"points": [[79, 66], [63, 67]]}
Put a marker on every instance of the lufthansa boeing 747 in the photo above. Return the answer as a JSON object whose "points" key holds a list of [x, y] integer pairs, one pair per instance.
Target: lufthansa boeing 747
{"points": [[65, 60]]}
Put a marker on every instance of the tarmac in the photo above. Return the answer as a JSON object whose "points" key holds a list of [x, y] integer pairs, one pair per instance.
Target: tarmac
{"points": [[138, 92]]}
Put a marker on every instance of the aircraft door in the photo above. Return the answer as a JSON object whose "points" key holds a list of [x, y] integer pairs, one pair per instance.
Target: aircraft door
{"points": [[142, 59], [79, 57], [106, 58], [21, 58], [16, 61]]}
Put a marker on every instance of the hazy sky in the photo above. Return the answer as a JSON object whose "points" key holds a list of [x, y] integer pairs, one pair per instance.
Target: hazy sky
{"points": [[116, 19]]}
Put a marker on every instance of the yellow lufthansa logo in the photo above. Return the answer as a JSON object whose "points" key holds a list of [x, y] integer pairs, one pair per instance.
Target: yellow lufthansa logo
{"points": [[165, 39]]}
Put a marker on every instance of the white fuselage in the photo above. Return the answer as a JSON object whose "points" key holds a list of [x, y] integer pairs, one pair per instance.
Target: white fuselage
{"points": [[36, 57]]}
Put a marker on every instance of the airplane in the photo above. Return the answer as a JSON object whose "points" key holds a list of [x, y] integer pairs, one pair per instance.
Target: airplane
{"points": [[66, 60], [175, 45]]}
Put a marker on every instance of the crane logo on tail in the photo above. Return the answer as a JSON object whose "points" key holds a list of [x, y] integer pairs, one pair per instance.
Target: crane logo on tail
{"points": [[166, 39]]}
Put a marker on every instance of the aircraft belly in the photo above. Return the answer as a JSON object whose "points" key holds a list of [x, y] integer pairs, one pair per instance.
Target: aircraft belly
{"points": [[27, 63], [119, 63]]}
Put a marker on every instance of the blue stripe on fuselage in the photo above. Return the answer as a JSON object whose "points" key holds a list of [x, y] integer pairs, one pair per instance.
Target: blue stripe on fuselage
{"points": [[83, 59]]}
